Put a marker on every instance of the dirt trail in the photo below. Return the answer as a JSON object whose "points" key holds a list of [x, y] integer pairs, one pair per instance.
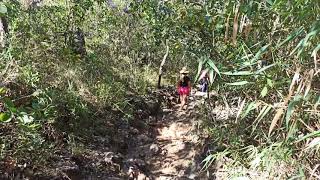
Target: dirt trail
{"points": [[175, 149]]}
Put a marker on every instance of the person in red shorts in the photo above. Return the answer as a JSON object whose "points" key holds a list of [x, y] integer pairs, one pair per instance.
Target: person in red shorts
{"points": [[184, 87]]}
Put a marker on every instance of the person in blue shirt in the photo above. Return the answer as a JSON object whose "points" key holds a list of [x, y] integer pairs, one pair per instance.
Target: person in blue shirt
{"points": [[204, 82]]}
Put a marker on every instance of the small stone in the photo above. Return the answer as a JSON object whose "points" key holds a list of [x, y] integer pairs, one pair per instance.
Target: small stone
{"points": [[153, 106], [192, 176], [133, 172], [195, 138], [134, 130], [164, 152], [142, 176], [143, 139], [111, 157], [165, 110], [154, 149], [152, 119]]}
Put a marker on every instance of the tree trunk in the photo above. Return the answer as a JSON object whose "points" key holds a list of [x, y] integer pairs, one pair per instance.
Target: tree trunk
{"points": [[3, 32], [161, 66]]}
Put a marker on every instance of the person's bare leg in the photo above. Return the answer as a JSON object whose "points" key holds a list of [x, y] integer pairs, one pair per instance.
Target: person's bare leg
{"points": [[185, 102], [181, 101]]}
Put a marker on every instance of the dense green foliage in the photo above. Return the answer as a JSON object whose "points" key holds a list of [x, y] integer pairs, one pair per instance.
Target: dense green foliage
{"points": [[64, 61]]}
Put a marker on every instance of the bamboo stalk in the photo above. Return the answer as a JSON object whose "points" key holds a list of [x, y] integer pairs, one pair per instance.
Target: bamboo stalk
{"points": [[235, 25], [227, 29]]}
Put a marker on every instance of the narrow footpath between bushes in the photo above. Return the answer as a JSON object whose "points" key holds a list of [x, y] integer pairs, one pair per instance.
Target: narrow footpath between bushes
{"points": [[173, 149]]}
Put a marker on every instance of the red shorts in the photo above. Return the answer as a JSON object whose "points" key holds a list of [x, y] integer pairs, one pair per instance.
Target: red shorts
{"points": [[184, 90]]}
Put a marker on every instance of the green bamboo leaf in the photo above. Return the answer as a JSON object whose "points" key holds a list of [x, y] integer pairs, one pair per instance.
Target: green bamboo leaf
{"points": [[239, 73], [2, 90], [292, 36], [315, 143], [292, 130], [263, 112], [199, 69], [297, 47], [261, 115], [290, 109], [270, 2], [264, 68], [314, 52], [264, 91], [211, 73], [260, 52], [5, 117], [241, 107], [10, 105], [249, 108], [313, 134], [270, 83], [304, 42], [208, 161], [307, 39], [239, 83], [213, 66], [247, 56]]}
